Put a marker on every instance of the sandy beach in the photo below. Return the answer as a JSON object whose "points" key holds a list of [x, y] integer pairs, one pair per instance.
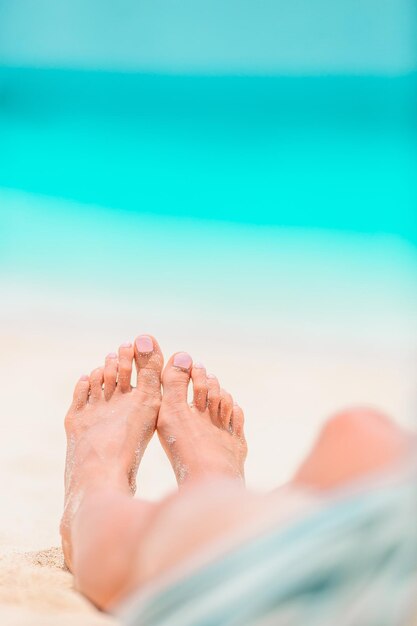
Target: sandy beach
{"points": [[289, 369]]}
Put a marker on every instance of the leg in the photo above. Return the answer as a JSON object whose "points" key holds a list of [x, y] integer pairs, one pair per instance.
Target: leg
{"points": [[105, 532], [120, 543]]}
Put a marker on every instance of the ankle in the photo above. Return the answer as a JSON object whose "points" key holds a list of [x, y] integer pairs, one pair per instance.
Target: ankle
{"points": [[92, 488]]}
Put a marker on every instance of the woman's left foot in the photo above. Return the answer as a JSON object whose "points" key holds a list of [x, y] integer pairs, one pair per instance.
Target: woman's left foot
{"points": [[109, 425], [204, 440]]}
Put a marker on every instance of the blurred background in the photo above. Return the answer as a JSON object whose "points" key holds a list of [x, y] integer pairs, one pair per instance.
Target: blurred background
{"points": [[237, 178]]}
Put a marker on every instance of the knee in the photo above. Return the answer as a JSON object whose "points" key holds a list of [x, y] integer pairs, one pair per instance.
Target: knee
{"points": [[358, 422], [366, 438], [352, 444]]}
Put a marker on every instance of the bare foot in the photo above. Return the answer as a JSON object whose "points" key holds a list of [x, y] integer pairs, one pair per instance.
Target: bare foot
{"points": [[109, 425], [204, 439]]}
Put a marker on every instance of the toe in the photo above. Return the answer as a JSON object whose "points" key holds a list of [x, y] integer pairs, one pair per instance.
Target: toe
{"points": [[96, 384], [237, 421], [200, 388], [149, 362], [81, 391], [110, 375], [125, 367], [213, 398], [226, 408], [176, 377]]}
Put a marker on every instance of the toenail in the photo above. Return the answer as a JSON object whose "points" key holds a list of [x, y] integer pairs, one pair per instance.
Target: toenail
{"points": [[199, 365], [183, 360], [84, 377], [211, 376], [127, 344], [112, 355], [144, 344]]}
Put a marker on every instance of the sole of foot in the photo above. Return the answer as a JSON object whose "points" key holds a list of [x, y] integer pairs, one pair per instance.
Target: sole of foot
{"points": [[204, 439], [110, 422]]}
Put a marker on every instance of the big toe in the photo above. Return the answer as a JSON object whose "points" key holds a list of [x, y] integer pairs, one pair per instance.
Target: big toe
{"points": [[176, 376], [149, 362]]}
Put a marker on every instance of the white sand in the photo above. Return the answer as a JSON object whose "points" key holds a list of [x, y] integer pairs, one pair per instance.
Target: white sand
{"points": [[287, 375]]}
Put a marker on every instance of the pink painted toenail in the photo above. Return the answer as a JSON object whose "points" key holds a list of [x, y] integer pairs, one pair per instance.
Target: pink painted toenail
{"points": [[144, 344], [200, 366], [183, 360], [112, 355], [127, 344], [84, 377]]}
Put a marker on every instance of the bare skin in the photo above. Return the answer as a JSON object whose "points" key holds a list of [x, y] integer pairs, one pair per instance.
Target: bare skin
{"points": [[109, 425], [203, 439], [114, 543]]}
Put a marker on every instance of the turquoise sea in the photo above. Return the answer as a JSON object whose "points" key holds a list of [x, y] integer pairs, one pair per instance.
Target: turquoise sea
{"points": [[332, 152], [286, 205]]}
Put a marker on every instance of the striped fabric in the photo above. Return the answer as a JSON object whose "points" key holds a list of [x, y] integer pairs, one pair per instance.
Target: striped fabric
{"points": [[353, 562]]}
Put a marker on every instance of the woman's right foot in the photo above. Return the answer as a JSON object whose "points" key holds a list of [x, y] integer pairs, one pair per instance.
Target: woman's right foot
{"points": [[109, 424], [204, 439]]}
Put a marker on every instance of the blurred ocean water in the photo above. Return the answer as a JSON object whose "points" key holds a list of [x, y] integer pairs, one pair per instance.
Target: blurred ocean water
{"points": [[319, 152], [282, 203]]}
